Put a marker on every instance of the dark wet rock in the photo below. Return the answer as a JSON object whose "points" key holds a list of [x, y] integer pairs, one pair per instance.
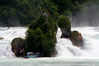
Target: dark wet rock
{"points": [[1, 38], [65, 33], [76, 38], [18, 45]]}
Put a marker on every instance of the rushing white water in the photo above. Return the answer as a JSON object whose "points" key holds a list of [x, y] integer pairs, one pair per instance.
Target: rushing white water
{"points": [[91, 40], [8, 34], [65, 48], [89, 49], [68, 55]]}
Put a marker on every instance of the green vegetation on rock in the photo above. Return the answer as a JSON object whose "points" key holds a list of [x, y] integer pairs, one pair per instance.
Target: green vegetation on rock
{"points": [[40, 36], [41, 16], [65, 25], [64, 22]]}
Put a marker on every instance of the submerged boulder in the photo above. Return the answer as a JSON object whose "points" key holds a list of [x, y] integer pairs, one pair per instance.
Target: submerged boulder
{"points": [[18, 45], [76, 38]]}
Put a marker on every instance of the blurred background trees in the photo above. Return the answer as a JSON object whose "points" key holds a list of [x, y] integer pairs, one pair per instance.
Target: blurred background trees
{"points": [[22, 12]]}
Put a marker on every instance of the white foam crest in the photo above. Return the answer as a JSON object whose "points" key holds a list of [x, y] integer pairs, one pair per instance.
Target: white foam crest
{"points": [[6, 52], [65, 48], [91, 40], [9, 34]]}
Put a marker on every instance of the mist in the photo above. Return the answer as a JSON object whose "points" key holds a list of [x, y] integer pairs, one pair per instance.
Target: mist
{"points": [[88, 16]]}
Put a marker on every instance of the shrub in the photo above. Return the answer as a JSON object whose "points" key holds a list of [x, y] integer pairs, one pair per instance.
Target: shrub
{"points": [[40, 36], [64, 22]]}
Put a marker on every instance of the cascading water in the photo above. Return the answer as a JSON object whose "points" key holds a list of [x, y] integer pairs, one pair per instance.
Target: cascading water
{"points": [[91, 40], [8, 34], [65, 48], [68, 55]]}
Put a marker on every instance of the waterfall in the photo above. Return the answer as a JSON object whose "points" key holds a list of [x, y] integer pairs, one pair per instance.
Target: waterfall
{"points": [[65, 48], [8, 34], [6, 52], [91, 40]]}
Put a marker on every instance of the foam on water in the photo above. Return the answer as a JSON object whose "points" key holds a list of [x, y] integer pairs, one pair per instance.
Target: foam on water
{"points": [[8, 34], [91, 40], [68, 55], [64, 46], [49, 62]]}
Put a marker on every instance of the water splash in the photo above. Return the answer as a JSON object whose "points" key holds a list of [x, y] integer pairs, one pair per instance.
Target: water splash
{"points": [[65, 48], [9, 34], [91, 40]]}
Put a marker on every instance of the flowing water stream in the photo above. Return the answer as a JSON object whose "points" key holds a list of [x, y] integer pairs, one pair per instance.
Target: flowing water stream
{"points": [[68, 55]]}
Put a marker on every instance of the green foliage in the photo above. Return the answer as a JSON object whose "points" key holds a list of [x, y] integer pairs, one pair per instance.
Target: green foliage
{"points": [[65, 26], [63, 22], [33, 40], [24, 11], [40, 36], [63, 5], [67, 13], [48, 47]]}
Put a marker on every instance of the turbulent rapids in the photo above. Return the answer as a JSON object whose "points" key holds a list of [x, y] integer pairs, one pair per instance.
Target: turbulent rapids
{"points": [[8, 34], [88, 50], [91, 40], [64, 47], [67, 54]]}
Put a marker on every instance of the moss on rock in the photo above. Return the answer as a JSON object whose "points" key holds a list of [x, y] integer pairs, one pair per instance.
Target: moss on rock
{"points": [[65, 26]]}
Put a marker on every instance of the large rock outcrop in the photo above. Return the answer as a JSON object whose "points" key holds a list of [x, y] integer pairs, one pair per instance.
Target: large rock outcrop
{"points": [[65, 26], [76, 38], [18, 45]]}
